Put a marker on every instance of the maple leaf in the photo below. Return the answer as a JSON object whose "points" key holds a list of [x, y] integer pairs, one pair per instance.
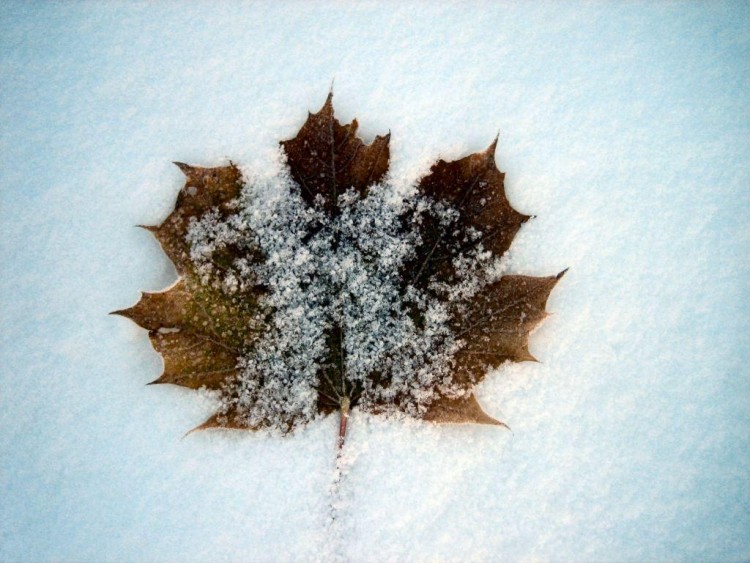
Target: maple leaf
{"points": [[324, 289]]}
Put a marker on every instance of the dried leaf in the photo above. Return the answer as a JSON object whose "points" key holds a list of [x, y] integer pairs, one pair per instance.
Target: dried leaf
{"points": [[496, 324], [325, 158], [460, 410], [328, 295], [199, 330], [473, 186]]}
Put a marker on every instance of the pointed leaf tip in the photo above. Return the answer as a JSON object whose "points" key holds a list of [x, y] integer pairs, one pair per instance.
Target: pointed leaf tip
{"points": [[490, 150], [185, 168], [530, 358], [328, 105], [458, 411], [221, 422]]}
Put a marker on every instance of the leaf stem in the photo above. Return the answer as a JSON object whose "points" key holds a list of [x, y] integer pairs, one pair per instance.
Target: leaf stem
{"points": [[344, 412]]}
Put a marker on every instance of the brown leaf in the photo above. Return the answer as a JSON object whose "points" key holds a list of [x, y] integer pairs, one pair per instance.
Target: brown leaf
{"points": [[205, 189], [326, 158], [209, 335], [193, 360], [497, 322], [474, 187], [164, 309], [460, 410], [199, 334], [195, 309], [199, 330], [231, 420], [495, 326]]}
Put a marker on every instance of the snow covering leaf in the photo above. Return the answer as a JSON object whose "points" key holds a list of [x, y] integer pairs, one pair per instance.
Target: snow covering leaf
{"points": [[324, 288]]}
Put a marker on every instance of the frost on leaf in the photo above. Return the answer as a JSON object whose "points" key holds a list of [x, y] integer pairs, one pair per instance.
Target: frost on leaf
{"points": [[325, 289]]}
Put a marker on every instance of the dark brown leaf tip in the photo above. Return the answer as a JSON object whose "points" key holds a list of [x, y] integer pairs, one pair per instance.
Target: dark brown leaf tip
{"points": [[185, 168], [328, 296], [489, 153]]}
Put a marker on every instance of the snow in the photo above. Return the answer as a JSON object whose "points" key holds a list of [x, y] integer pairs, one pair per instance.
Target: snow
{"points": [[624, 128]]}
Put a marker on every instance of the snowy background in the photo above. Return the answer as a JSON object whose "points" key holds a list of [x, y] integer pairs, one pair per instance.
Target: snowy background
{"points": [[625, 127]]}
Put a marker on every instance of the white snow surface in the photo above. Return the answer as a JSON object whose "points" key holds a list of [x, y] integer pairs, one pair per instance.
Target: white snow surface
{"points": [[624, 127]]}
